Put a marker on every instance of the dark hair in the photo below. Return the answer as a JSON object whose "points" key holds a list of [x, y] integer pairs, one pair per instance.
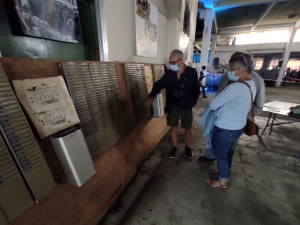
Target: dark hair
{"points": [[244, 59], [203, 67]]}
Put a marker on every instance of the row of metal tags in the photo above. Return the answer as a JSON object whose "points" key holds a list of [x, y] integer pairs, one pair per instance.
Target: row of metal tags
{"points": [[14, 196], [8, 169], [22, 144], [103, 86], [94, 108], [16, 129], [75, 76], [136, 82], [101, 99]]}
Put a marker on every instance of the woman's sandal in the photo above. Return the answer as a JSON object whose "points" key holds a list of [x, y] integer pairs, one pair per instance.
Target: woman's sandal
{"points": [[213, 182], [214, 170]]}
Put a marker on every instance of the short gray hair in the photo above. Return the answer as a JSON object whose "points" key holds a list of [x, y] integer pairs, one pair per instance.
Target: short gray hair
{"points": [[178, 52]]}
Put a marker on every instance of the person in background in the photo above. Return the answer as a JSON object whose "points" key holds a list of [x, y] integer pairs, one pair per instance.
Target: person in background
{"points": [[286, 77], [298, 77], [183, 90], [202, 75], [293, 73], [234, 104], [259, 101]]}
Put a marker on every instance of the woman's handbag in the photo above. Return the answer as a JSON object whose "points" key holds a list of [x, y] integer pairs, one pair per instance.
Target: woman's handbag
{"points": [[251, 128]]}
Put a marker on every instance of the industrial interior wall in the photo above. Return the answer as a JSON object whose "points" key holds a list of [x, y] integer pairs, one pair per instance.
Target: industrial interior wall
{"points": [[193, 7], [176, 36], [119, 19], [120, 27], [13, 43]]}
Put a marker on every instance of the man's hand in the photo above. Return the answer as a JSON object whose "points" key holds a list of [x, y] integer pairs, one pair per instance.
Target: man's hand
{"points": [[149, 101]]}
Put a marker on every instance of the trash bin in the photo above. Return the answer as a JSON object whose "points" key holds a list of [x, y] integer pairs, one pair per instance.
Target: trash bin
{"points": [[74, 156], [158, 107]]}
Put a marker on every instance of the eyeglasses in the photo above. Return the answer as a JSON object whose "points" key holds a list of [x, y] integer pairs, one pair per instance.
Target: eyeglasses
{"points": [[173, 63]]}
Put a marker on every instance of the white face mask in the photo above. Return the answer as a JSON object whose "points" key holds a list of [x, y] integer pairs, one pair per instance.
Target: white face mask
{"points": [[232, 77], [175, 67]]}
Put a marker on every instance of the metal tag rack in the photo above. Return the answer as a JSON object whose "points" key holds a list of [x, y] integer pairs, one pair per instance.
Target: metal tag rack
{"points": [[95, 92], [22, 143], [137, 87]]}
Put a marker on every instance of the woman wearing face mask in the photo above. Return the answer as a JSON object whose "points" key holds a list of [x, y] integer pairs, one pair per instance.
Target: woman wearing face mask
{"points": [[234, 103]]}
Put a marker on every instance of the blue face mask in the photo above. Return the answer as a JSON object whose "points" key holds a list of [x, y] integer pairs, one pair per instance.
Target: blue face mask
{"points": [[175, 67], [232, 77]]}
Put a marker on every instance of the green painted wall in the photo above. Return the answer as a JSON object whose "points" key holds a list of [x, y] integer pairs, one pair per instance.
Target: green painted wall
{"points": [[14, 44]]}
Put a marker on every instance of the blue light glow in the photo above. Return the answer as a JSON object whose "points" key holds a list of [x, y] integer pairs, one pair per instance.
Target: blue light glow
{"points": [[209, 4]]}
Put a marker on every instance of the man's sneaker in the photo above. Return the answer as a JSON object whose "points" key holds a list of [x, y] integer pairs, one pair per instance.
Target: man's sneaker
{"points": [[173, 152], [204, 96], [205, 159], [189, 152]]}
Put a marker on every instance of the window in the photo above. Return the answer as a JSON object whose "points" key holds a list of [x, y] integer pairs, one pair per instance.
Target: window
{"points": [[258, 63]]}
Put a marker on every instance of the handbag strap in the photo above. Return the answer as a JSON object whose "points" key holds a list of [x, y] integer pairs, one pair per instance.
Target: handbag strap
{"points": [[252, 104]]}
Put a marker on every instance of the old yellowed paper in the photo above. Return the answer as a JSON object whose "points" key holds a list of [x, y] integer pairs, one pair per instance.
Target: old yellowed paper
{"points": [[48, 104]]}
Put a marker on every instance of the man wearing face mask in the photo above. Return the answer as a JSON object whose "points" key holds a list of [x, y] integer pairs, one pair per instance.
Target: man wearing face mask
{"points": [[183, 90], [259, 99]]}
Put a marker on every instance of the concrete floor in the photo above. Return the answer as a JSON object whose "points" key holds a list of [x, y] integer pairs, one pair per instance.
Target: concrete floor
{"points": [[264, 186]]}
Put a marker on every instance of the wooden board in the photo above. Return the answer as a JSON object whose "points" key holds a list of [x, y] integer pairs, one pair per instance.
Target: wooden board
{"points": [[115, 166], [125, 98], [114, 169]]}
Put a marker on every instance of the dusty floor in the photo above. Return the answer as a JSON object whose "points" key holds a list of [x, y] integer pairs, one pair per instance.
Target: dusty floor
{"points": [[264, 185]]}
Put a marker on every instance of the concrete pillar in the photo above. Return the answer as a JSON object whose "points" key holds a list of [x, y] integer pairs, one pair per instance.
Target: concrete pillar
{"points": [[266, 63], [286, 56], [208, 20], [212, 51]]}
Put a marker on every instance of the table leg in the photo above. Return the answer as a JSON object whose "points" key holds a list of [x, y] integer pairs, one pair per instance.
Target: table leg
{"points": [[272, 124], [297, 159], [260, 137]]}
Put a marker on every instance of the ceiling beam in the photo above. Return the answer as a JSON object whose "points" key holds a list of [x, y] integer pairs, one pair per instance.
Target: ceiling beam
{"points": [[228, 4], [234, 30], [253, 47], [275, 26], [260, 27], [263, 14], [198, 47], [227, 35]]}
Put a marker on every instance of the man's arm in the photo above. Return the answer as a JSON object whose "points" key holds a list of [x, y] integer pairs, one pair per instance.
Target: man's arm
{"points": [[223, 83], [196, 88], [259, 100], [227, 95], [158, 86]]}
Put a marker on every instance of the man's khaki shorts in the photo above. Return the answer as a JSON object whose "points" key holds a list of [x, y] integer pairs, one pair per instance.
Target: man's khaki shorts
{"points": [[185, 115]]}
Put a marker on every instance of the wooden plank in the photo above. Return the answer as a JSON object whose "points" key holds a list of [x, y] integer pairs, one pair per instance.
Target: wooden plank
{"points": [[28, 68], [115, 167], [125, 96]]}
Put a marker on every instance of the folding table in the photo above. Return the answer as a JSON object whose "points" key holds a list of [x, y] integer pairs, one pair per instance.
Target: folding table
{"points": [[275, 108]]}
